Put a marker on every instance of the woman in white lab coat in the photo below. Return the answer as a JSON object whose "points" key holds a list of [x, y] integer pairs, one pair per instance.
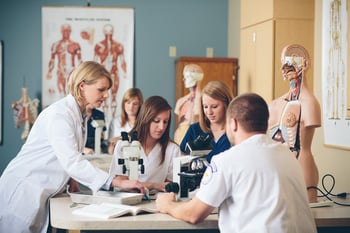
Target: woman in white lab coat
{"points": [[52, 155]]}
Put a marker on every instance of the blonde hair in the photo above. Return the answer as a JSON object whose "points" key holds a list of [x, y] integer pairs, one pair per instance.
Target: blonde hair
{"points": [[217, 90], [88, 72], [128, 95]]}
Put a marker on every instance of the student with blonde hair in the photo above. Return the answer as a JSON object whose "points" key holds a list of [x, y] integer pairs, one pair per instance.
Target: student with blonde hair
{"points": [[216, 96]]}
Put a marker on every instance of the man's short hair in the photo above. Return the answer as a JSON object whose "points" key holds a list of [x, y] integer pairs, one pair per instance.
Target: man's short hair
{"points": [[251, 111]]}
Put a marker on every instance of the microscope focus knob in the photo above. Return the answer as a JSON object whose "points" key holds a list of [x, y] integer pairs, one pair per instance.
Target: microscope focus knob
{"points": [[121, 161], [172, 187]]}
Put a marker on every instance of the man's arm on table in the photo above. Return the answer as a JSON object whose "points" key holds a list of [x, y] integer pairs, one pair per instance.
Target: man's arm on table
{"points": [[192, 211]]}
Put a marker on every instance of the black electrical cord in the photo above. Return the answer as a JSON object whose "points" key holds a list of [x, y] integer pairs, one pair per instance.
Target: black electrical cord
{"points": [[328, 192]]}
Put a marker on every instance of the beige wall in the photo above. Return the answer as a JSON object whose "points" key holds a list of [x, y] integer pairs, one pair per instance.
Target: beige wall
{"points": [[329, 160]]}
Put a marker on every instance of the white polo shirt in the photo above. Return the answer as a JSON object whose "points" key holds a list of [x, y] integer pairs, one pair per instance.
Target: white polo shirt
{"points": [[258, 186]]}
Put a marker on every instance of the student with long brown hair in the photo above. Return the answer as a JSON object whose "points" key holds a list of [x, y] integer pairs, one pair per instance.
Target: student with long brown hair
{"points": [[157, 149]]}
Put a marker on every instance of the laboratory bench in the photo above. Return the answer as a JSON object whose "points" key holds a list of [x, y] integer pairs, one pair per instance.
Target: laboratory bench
{"points": [[334, 218]]}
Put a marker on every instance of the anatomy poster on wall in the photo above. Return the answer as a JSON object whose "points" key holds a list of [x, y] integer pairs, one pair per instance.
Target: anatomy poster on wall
{"points": [[71, 35], [335, 80]]}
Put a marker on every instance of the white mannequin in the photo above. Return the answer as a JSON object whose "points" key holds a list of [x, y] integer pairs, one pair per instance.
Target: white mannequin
{"points": [[187, 107]]}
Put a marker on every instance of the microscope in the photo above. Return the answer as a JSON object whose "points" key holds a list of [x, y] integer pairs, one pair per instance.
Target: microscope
{"points": [[188, 170], [98, 125], [131, 162]]}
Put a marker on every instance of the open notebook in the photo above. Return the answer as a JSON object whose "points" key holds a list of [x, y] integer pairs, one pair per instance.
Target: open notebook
{"points": [[108, 210]]}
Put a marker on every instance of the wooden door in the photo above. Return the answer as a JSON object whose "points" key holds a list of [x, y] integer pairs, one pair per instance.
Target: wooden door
{"points": [[224, 69]]}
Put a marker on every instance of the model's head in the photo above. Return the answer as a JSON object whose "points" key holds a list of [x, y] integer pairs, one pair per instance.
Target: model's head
{"points": [[66, 30], [131, 104], [88, 72], [108, 30], [295, 60], [216, 96], [66, 27], [193, 74]]}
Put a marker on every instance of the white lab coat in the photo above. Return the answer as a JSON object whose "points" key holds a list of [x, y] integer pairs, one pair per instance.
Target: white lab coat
{"points": [[51, 155]]}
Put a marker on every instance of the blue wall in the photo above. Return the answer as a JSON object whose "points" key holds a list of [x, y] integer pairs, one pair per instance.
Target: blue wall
{"points": [[190, 25]]}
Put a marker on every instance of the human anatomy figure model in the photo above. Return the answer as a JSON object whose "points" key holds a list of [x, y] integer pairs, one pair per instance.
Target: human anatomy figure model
{"points": [[295, 115], [25, 111], [68, 54], [110, 53], [187, 107]]}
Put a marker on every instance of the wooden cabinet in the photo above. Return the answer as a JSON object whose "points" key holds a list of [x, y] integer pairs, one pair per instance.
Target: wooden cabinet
{"points": [[224, 69], [267, 26]]}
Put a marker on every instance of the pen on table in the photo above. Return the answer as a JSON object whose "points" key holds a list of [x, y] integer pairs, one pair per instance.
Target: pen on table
{"points": [[146, 197]]}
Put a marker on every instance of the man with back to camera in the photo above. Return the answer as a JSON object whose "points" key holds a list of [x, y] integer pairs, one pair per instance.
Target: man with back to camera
{"points": [[257, 184]]}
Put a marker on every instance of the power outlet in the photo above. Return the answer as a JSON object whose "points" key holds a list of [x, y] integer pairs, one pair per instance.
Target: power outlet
{"points": [[172, 51], [210, 52]]}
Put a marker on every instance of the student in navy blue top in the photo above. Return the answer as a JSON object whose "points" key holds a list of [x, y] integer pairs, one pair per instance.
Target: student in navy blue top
{"points": [[216, 96]]}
